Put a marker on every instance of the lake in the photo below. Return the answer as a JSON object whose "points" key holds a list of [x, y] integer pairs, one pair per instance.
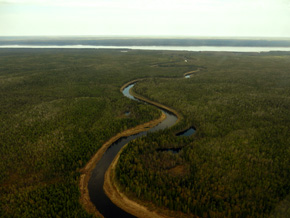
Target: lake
{"points": [[167, 48]]}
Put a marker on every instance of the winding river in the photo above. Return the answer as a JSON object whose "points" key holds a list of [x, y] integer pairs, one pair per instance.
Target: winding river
{"points": [[95, 185]]}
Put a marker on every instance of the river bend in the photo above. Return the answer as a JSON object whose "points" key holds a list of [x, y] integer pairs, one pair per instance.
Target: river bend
{"points": [[95, 185]]}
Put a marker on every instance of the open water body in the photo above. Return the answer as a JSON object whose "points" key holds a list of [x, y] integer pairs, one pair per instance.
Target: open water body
{"points": [[190, 131], [170, 48], [97, 195]]}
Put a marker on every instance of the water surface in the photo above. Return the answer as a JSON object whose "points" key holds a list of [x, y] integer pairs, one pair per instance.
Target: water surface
{"points": [[187, 132], [169, 48], [95, 186]]}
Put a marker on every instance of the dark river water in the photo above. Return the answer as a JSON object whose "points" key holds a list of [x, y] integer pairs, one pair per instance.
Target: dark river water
{"points": [[187, 132], [97, 195]]}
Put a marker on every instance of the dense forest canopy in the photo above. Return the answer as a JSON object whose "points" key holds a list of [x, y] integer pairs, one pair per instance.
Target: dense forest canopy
{"points": [[58, 106], [238, 162]]}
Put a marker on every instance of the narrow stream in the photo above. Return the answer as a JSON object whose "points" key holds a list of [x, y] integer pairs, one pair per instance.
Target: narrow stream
{"points": [[188, 132], [97, 195]]}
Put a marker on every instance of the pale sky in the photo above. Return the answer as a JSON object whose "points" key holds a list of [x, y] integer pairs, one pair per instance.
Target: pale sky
{"points": [[240, 18]]}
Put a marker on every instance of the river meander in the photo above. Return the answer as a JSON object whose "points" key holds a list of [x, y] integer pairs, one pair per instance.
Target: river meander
{"points": [[95, 185]]}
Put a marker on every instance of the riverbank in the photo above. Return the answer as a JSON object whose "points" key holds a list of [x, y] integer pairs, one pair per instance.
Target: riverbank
{"points": [[110, 184], [87, 170], [191, 72], [134, 207], [110, 187], [179, 116], [121, 200]]}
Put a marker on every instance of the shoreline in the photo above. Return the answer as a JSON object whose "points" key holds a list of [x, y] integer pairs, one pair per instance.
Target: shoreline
{"points": [[228, 49], [121, 200], [87, 170], [110, 187], [191, 72]]}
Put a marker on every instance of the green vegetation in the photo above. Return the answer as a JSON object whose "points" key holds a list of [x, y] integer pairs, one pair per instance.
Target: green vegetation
{"points": [[57, 107], [238, 162]]}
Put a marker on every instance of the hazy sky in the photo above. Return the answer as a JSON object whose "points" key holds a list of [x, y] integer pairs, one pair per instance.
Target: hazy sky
{"points": [[269, 18]]}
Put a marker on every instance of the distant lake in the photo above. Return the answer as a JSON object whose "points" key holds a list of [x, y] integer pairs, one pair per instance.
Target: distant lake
{"points": [[168, 48]]}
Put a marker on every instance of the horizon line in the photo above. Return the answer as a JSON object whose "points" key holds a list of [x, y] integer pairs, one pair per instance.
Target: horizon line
{"points": [[148, 36]]}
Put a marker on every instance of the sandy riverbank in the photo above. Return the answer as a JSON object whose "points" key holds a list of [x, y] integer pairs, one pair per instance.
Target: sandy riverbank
{"points": [[110, 187], [86, 171], [121, 200], [191, 72]]}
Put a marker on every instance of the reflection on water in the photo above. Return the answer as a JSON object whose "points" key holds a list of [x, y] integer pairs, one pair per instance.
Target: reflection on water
{"points": [[169, 48], [187, 132], [95, 186], [126, 92]]}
